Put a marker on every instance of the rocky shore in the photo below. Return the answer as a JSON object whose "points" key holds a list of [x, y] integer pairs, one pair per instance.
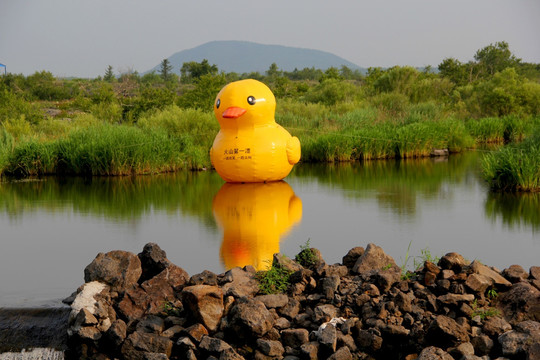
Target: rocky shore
{"points": [[144, 307]]}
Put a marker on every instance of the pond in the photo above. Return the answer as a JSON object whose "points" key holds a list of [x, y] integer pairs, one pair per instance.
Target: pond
{"points": [[52, 228]]}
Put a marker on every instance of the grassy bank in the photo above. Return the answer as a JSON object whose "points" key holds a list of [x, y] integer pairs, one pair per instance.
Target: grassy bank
{"points": [[515, 167], [174, 138]]}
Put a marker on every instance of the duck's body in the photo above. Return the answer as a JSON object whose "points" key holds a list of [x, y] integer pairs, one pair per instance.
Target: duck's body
{"points": [[251, 146]]}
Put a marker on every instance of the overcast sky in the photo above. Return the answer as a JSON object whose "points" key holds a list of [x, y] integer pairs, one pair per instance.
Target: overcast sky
{"points": [[82, 37]]}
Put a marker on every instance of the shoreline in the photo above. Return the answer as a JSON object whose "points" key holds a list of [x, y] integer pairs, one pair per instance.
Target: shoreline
{"points": [[143, 306]]}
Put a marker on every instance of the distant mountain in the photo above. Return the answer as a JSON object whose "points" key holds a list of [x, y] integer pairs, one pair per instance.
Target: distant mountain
{"points": [[245, 57]]}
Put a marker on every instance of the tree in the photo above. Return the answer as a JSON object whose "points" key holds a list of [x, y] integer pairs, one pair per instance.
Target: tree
{"points": [[192, 71], [109, 75], [495, 58], [454, 70], [165, 70]]}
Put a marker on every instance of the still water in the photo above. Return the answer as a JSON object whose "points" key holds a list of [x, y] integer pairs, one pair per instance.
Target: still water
{"points": [[51, 228]]}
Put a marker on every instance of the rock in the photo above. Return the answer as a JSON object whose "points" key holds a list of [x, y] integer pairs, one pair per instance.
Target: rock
{"points": [[329, 286], [270, 347], [116, 334], [434, 353], [195, 332], [481, 269], [310, 350], [373, 258], [153, 261], [230, 354], [205, 303], [463, 349], [495, 325], [515, 273], [249, 318], [204, 278], [151, 324], [324, 313], [328, 337], [521, 302], [240, 283], [444, 331], [272, 301], [137, 344], [282, 261], [213, 345], [534, 272], [119, 269], [150, 297], [291, 310], [455, 299], [294, 337], [403, 301], [522, 340], [478, 283], [343, 353], [453, 261], [86, 299], [386, 278], [482, 344]]}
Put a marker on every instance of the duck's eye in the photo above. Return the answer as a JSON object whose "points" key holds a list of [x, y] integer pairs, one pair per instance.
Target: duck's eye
{"points": [[218, 102], [251, 100]]}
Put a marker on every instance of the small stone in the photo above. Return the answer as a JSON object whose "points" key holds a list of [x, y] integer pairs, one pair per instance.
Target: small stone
{"points": [[434, 353], [310, 350], [282, 323], [515, 273], [249, 317], [273, 300], [270, 347], [453, 261], [195, 332], [478, 283], [205, 303], [482, 344], [324, 313], [204, 278], [374, 258], [455, 299], [213, 345], [329, 286], [343, 353], [294, 337], [495, 326], [328, 337]]}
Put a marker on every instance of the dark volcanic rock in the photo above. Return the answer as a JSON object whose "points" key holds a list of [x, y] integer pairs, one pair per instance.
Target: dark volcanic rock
{"points": [[119, 269], [374, 258], [445, 332], [153, 261], [249, 317], [205, 303]]}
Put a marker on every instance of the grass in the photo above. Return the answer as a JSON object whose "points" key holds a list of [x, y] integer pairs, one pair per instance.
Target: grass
{"points": [[171, 138], [275, 280], [515, 167], [483, 312], [306, 257]]}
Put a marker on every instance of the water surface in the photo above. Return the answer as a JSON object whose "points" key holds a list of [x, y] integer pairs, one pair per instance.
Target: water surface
{"points": [[52, 228]]}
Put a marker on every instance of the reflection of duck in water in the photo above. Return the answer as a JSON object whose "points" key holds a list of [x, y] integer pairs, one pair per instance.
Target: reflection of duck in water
{"points": [[254, 217], [251, 146]]}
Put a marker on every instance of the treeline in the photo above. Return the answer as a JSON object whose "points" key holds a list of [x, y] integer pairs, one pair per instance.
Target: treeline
{"points": [[338, 114]]}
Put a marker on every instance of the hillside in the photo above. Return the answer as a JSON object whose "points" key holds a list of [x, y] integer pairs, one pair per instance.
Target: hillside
{"points": [[245, 57]]}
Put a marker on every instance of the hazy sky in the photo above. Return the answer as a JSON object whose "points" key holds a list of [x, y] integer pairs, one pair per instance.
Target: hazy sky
{"points": [[83, 37]]}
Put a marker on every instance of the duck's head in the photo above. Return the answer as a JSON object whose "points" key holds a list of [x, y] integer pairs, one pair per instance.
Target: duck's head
{"points": [[243, 103]]}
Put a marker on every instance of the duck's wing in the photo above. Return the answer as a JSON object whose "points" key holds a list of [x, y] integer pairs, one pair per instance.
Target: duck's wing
{"points": [[293, 150]]}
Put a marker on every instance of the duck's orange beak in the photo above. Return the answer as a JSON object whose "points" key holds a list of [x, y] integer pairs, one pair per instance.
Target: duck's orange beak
{"points": [[233, 112]]}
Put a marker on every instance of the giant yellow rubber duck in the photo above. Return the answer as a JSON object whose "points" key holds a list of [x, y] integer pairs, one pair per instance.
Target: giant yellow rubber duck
{"points": [[254, 217], [251, 146]]}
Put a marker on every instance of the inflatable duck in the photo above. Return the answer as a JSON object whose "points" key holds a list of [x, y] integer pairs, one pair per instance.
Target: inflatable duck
{"points": [[251, 146], [254, 217]]}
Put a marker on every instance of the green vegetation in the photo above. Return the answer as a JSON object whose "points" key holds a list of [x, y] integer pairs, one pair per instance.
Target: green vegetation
{"points": [[516, 167], [158, 122], [306, 257], [275, 280], [483, 312]]}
